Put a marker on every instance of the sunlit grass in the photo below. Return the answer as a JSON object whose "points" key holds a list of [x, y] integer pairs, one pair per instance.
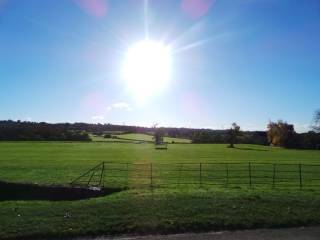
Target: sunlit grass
{"points": [[161, 210]]}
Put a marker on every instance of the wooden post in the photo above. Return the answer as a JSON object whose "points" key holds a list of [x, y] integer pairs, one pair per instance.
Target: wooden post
{"points": [[300, 175], [274, 176], [250, 180]]}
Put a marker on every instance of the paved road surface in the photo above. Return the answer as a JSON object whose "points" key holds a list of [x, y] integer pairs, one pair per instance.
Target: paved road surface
{"points": [[308, 233]]}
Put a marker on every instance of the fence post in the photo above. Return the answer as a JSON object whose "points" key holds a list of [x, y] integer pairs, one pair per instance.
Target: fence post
{"points": [[274, 176], [200, 174], [151, 177], [250, 181], [227, 169], [300, 175]]}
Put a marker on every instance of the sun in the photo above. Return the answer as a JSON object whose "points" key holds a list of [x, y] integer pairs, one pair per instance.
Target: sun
{"points": [[147, 68]]}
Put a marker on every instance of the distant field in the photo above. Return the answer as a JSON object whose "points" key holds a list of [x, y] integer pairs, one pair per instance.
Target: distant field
{"points": [[137, 137], [145, 137], [162, 210], [96, 138]]}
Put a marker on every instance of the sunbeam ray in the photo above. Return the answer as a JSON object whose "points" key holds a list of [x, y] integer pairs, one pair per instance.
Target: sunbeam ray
{"points": [[199, 43], [185, 34]]}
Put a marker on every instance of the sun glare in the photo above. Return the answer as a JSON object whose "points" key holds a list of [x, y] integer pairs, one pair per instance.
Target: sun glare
{"points": [[147, 68]]}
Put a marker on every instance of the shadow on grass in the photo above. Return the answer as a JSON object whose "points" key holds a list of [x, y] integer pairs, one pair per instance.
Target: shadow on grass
{"points": [[21, 191], [251, 149]]}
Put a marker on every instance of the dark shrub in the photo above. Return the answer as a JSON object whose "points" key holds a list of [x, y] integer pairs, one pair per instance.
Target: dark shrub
{"points": [[107, 136]]}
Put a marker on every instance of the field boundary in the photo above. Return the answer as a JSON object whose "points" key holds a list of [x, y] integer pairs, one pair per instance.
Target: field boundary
{"points": [[139, 175]]}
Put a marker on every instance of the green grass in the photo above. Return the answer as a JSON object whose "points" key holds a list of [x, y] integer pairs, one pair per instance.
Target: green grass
{"points": [[96, 138], [176, 209], [136, 136], [59, 162], [128, 137], [145, 137], [159, 212]]}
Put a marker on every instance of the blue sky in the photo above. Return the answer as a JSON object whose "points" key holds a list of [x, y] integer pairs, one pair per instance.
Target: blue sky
{"points": [[244, 61]]}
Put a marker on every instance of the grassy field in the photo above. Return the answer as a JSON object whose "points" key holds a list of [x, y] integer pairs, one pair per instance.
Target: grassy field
{"points": [[96, 138], [144, 211], [59, 162], [137, 137], [145, 137]]}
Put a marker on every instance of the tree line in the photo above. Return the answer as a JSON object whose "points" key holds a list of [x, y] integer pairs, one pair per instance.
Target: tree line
{"points": [[278, 133], [283, 134], [31, 131], [19, 130]]}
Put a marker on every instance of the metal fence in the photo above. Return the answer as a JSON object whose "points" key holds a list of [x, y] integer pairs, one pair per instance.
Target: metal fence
{"points": [[138, 175]]}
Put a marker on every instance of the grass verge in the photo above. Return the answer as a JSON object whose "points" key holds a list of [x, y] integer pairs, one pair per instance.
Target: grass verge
{"points": [[160, 211]]}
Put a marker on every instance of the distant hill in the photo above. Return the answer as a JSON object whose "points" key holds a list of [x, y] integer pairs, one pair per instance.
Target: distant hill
{"points": [[21, 130], [34, 131]]}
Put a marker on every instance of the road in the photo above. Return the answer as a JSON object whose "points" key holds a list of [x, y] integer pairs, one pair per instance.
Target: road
{"points": [[303, 233]]}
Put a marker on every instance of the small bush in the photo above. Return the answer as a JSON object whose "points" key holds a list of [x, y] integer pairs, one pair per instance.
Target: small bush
{"points": [[107, 136]]}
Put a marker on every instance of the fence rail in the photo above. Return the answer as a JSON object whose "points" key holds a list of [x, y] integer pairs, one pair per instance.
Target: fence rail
{"points": [[137, 175]]}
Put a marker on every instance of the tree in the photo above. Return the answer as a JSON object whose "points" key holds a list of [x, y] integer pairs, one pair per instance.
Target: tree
{"points": [[316, 124], [233, 132], [281, 134], [158, 136], [107, 135]]}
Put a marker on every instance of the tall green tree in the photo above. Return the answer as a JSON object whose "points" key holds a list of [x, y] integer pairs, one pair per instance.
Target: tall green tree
{"points": [[158, 134], [233, 132]]}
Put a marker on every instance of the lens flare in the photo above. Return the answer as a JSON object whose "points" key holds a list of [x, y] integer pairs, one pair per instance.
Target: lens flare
{"points": [[196, 8], [97, 8]]}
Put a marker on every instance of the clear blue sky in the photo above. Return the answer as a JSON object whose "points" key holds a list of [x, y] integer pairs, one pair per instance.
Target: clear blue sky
{"points": [[244, 61]]}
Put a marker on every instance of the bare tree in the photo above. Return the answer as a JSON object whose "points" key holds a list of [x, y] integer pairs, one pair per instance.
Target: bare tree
{"points": [[234, 132], [316, 121]]}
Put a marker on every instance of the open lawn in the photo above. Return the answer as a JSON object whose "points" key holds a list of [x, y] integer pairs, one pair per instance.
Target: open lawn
{"points": [[129, 137], [60, 162], [145, 137], [96, 138], [176, 209]]}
